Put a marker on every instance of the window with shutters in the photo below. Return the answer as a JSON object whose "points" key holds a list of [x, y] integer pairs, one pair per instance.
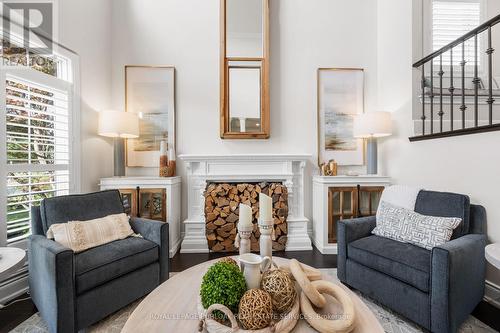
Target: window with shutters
{"points": [[451, 19], [37, 147], [37, 122]]}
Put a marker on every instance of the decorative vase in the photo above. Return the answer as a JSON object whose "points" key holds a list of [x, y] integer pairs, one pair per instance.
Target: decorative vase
{"points": [[252, 266]]}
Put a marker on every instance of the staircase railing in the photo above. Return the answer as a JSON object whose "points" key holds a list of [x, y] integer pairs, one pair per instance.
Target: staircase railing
{"points": [[433, 133]]}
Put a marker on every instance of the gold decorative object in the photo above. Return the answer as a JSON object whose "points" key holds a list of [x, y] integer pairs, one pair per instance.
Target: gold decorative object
{"points": [[329, 168], [229, 260], [255, 309], [278, 283]]}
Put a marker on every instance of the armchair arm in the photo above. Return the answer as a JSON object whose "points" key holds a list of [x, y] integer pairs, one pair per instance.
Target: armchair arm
{"points": [[51, 281], [156, 232], [347, 232], [457, 281]]}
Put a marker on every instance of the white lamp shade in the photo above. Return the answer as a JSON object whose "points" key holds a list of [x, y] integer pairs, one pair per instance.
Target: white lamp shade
{"points": [[117, 124], [372, 125]]}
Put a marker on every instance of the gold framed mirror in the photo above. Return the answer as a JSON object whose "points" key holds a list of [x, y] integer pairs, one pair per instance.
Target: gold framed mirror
{"points": [[244, 65]]}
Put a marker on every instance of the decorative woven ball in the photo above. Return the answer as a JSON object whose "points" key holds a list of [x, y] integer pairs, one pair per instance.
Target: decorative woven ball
{"points": [[229, 260], [255, 309], [279, 284]]}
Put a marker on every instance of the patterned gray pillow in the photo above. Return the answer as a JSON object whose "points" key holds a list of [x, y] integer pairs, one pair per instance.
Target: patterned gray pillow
{"points": [[405, 225]]}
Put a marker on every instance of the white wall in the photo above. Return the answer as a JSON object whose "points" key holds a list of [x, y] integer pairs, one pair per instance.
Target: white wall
{"points": [[466, 164], [85, 27], [305, 35]]}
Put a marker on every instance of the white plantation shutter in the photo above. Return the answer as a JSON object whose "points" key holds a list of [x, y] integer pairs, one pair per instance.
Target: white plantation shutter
{"points": [[37, 143], [451, 20]]}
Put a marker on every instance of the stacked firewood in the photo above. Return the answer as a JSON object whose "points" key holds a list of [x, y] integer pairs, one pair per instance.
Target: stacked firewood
{"points": [[222, 208]]}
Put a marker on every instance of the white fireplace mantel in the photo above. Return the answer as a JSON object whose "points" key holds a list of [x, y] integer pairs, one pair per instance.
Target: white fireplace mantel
{"points": [[285, 168]]}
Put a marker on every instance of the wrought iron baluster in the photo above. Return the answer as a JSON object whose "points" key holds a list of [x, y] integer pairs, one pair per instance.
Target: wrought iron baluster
{"points": [[440, 73], [476, 85], [476, 117], [451, 89], [463, 107], [490, 99], [432, 95], [423, 100]]}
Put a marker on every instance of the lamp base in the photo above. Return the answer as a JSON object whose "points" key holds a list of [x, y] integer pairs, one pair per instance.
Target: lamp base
{"points": [[119, 157], [371, 156]]}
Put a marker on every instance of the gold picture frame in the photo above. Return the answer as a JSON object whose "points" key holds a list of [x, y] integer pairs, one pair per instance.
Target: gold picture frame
{"points": [[225, 65]]}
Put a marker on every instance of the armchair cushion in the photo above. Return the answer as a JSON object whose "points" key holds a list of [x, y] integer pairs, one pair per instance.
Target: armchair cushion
{"points": [[79, 207], [405, 262], [104, 263], [445, 204]]}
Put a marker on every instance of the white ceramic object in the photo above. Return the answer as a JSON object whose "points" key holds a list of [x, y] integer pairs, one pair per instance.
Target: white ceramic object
{"points": [[252, 268]]}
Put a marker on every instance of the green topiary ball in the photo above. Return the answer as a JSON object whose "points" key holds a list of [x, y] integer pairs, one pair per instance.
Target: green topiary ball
{"points": [[224, 284]]}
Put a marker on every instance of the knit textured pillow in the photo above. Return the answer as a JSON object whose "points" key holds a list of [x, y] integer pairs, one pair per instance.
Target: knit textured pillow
{"points": [[407, 226], [82, 235]]}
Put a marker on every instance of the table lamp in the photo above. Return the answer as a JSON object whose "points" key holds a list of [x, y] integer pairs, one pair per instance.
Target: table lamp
{"points": [[370, 126], [120, 126]]}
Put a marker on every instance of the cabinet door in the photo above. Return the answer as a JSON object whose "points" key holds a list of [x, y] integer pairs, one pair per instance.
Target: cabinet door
{"points": [[342, 204], [152, 204], [368, 200], [129, 201]]}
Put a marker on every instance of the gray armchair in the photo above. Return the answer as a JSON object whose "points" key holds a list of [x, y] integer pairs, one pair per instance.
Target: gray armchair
{"points": [[73, 291], [436, 289]]}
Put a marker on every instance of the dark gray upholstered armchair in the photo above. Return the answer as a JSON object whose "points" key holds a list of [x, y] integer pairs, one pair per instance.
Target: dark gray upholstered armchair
{"points": [[73, 291], [436, 289]]}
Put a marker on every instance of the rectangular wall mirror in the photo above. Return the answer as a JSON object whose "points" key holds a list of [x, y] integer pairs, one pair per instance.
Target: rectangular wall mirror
{"points": [[244, 69]]}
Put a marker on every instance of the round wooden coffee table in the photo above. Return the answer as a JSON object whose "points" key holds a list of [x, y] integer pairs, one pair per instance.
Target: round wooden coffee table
{"points": [[172, 307]]}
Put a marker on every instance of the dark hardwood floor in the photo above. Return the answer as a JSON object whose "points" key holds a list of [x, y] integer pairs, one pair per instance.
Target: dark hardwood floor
{"points": [[314, 258], [17, 312]]}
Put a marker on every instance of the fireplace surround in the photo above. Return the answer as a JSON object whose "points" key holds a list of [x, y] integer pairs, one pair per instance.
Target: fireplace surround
{"points": [[249, 168]]}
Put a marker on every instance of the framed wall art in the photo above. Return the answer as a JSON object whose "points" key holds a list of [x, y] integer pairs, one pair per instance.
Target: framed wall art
{"points": [[150, 92], [340, 99]]}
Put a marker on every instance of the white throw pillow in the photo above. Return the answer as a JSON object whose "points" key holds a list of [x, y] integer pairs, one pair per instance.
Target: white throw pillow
{"points": [[401, 196], [82, 235], [405, 225]]}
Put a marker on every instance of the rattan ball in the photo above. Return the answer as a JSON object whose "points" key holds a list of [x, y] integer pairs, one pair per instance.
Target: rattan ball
{"points": [[279, 284], [229, 260], [255, 309]]}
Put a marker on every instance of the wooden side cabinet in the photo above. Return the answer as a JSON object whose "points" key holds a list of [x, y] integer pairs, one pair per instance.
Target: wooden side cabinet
{"points": [[339, 198], [155, 198], [350, 202]]}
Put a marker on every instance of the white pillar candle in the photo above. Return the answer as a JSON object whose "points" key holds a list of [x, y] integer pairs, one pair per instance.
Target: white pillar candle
{"points": [[171, 154], [163, 148], [245, 216], [265, 207]]}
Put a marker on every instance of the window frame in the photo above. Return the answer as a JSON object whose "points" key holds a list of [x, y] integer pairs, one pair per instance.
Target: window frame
{"points": [[71, 84], [427, 40]]}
